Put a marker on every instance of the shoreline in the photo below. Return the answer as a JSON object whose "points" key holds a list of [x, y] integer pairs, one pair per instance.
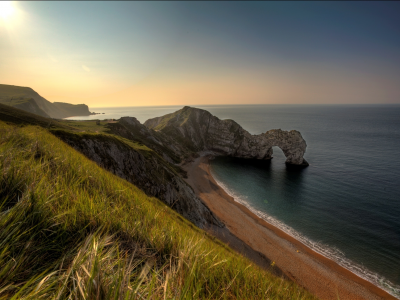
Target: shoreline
{"points": [[264, 244]]}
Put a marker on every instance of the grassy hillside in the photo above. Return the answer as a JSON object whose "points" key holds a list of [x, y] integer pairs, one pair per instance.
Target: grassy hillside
{"points": [[70, 230], [8, 93], [87, 125], [26, 104]]}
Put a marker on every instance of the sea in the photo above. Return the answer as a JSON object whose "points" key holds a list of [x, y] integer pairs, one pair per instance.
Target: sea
{"points": [[345, 205]]}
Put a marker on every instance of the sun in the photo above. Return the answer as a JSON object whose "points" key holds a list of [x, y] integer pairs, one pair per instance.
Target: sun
{"points": [[6, 9]]}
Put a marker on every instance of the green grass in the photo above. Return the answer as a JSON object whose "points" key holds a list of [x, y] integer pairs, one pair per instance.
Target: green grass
{"points": [[183, 113], [87, 125], [78, 135], [71, 230]]}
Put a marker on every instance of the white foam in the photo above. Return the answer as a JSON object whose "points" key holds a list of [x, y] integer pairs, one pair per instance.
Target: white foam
{"points": [[329, 252]]}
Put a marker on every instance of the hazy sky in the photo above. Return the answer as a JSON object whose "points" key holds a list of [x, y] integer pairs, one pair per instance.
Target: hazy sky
{"points": [[187, 53]]}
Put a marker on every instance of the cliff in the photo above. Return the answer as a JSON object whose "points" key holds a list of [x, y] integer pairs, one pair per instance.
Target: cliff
{"points": [[198, 130], [171, 149], [144, 168], [14, 95], [72, 109]]}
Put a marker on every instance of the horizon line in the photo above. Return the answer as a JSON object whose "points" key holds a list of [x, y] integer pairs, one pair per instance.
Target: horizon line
{"points": [[254, 104]]}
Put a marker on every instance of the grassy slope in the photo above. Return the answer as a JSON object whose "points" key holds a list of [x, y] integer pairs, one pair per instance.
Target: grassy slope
{"points": [[26, 104], [87, 125], [184, 113], [21, 117], [69, 229]]}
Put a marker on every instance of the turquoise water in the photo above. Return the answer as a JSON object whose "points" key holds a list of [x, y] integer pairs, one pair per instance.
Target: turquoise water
{"points": [[346, 204]]}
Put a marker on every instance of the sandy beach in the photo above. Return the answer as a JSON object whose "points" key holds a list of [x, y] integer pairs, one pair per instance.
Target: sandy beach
{"points": [[266, 244]]}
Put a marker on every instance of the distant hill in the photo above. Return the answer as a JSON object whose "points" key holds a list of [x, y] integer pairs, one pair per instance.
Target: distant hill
{"points": [[27, 104], [27, 99], [18, 116]]}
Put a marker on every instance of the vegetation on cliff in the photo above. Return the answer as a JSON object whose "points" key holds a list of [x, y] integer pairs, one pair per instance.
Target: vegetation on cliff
{"points": [[71, 230]]}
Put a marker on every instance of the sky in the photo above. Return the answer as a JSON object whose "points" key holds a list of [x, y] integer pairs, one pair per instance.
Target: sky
{"points": [[197, 53]]}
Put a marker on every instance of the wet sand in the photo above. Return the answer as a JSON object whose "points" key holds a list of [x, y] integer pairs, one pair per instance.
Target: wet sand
{"points": [[263, 243]]}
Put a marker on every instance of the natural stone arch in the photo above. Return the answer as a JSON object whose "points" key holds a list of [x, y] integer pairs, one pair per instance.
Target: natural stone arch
{"points": [[198, 130], [291, 143], [226, 137]]}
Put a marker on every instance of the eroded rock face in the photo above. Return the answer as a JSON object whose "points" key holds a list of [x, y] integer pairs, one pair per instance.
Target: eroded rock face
{"points": [[146, 170], [167, 147], [198, 130]]}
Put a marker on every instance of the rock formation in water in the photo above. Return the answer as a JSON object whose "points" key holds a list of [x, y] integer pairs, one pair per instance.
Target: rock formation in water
{"points": [[198, 130]]}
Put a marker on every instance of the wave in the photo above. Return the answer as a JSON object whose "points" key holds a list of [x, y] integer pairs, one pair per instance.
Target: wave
{"points": [[327, 251]]}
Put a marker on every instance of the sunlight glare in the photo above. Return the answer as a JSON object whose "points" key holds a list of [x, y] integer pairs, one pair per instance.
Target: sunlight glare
{"points": [[6, 9]]}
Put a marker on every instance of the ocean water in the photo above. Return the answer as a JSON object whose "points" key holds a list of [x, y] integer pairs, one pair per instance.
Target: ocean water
{"points": [[345, 205]]}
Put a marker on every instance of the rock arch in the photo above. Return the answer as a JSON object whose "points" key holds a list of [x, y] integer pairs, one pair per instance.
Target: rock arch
{"points": [[199, 131]]}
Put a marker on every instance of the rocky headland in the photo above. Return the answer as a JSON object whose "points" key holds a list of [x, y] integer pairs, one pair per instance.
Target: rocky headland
{"points": [[161, 145], [200, 131]]}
